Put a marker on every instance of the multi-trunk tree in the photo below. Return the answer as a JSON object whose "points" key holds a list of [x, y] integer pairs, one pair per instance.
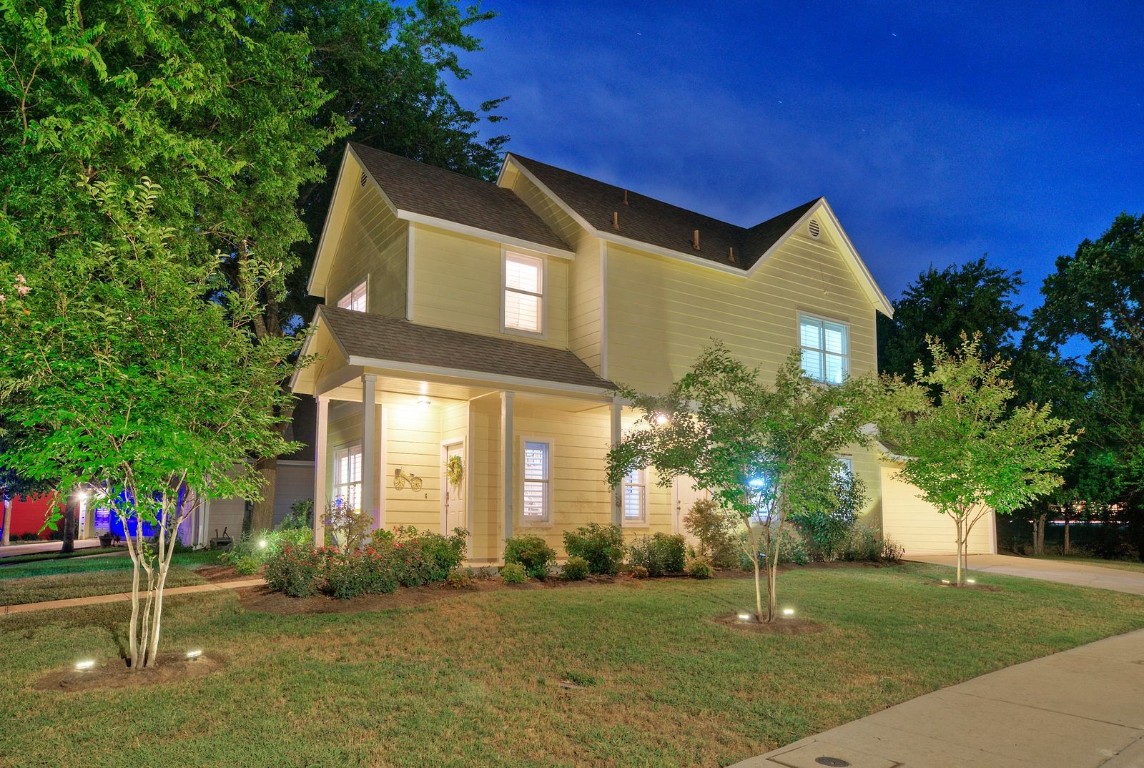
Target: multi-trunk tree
{"points": [[766, 452], [964, 444]]}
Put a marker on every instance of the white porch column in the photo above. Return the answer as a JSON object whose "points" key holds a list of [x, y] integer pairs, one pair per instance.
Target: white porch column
{"points": [[507, 445], [369, 448], [321, 490], [617, 435]]}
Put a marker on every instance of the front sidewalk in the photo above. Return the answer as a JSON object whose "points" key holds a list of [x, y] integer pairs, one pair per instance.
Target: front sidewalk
{"points": [[1075, 709], [124, 596]]}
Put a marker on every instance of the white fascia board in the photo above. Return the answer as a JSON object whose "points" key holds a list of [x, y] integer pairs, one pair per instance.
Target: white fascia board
{"points": [[311, 334], [484, 234], [325, 244], [548, 192], [511, 383]]}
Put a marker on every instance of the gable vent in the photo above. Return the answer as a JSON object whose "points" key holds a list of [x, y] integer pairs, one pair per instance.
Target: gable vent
{"points": [[814, 229], [363, 178]]}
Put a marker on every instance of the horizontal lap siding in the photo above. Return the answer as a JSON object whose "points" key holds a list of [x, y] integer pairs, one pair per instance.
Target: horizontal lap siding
{"points": [[413, 444], [484, 482], [579, 490], [918, 527], [374, 243], [660, 500], [457, 284]]}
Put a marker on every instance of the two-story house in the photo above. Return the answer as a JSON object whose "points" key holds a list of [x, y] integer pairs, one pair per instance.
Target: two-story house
{"points": [[471, 333]]}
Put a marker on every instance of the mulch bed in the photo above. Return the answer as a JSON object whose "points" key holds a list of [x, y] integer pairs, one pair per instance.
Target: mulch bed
{"points": [[780, 626], [216, 573], [114, 673], [974, 587]]}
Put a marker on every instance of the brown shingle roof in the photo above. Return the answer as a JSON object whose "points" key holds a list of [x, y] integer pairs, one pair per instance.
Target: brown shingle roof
{"points": [[431, 191], [658, 223], [380, 338]]}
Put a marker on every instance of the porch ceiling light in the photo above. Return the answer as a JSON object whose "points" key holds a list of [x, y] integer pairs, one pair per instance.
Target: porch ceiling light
{"points": [[424, 402]]}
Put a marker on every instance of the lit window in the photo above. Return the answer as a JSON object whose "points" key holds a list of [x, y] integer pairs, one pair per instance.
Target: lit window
{"points": [[845, 466], [355, 299], [635, 496], [523, 292], [536, 477], [824, 350], [347, 476]]}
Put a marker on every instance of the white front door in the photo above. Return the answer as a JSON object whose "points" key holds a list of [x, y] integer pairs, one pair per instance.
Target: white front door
{"points": [[685, 494], [455, 516]]}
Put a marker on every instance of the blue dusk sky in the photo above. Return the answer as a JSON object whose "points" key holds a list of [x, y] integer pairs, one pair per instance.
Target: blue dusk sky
{"points": [[938, 132]]}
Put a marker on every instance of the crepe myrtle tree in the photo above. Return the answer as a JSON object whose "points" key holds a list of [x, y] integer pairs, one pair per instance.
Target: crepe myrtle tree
{"points": [[119, 373], [765, 452], [965, 446]]}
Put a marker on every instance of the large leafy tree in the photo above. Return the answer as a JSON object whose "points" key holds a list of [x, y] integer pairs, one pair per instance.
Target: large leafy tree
{"points": [[117, 374], [965, 447], [971, 298], [767, 453]]}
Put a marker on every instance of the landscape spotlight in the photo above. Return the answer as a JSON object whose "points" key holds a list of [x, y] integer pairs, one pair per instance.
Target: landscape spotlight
{"points": [[661, 419], [85, 665], [945, 581], [744, 616], [192, 655], [971, 581], [262, 543], [788, 611]]}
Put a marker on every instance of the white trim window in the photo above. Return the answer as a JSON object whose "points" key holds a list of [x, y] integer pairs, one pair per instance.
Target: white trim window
{"points": [[825, 349], [635, 497], [355, 299], [845, 466], [536, 493], [347, 476], [523, 293]]}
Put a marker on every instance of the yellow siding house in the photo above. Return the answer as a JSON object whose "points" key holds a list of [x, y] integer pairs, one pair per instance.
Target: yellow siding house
{"points": [[481, 326]]}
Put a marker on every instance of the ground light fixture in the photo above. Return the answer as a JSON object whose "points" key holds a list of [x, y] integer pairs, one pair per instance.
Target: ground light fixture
{"points": [[194, 654], [661, 419], [744, 616], [262, 543], [788, 612], [85, 665], [971, 581], [945, 581]]}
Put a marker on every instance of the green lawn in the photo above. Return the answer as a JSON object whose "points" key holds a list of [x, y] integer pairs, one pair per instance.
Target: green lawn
{"points": [[473, 679], [61, 578]]}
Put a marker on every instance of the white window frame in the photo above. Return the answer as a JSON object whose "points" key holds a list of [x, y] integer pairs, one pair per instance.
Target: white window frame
{"points": [[635, 480], [846, 464], [542, 311], [822, 324], [350, 487], [546, 518], [357, 298]]}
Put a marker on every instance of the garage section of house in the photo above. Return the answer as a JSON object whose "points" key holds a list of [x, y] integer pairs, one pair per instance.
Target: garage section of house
{"points": [[919, 528]]}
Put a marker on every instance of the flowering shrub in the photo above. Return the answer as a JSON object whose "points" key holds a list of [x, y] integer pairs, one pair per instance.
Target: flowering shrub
{"points": [[252, 550], [350, 574], [294, 570], [420, 557], [601, 545]]}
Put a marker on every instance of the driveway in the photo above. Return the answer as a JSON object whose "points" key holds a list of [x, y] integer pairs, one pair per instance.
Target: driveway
{"points": [[1061, 571]]}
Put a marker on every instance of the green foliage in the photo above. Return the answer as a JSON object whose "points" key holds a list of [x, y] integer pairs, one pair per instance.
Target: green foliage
{"points": [[294, 570], [961, 299], [638, 572], [531, 552], [968, 451], [716, 532], [764, 452], [826, 529], [576, 569], [346, 528], [301, 516], [460, 578], [419, 557], [602, 546], [698, 568], [513, 573], [351, 574], [662, 554], [252, 550]]}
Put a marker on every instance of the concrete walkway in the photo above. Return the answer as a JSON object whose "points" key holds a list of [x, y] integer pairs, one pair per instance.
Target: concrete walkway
{"points": [[1082, 708], [1076, 709], [74, 602], [33, 547], [1061, 571]]}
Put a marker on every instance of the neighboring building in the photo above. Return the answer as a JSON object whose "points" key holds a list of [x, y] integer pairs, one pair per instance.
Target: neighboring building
{"points": [[488, 321]]}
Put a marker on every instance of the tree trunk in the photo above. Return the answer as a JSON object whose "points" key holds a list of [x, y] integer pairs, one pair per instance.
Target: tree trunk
{"points": [[960, 521], [772, 596], [69, 522], [1066, 541], [7, 538], [758, 586], [1039, 521], [262, 512]]}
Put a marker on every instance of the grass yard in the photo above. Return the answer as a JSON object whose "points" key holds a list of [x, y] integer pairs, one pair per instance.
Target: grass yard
{"points": [[473, 678], [57, 579]]}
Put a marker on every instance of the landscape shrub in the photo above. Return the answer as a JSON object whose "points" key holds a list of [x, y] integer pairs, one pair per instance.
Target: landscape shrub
{"points": [[715, 531], [862, 544], [460, 578], [294, 570], [420, 557], [301, 516], [513, 573], [531, 552], [346, 528], [892, 552], [252, 550], [792, 550], [825, 532], [699, 568], [637, 572], [602, 546], [661, 554], [364, 572], [576, 569]]}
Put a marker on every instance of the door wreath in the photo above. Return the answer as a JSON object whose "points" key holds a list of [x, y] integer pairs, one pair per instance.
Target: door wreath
{"points": [[455, 471]]}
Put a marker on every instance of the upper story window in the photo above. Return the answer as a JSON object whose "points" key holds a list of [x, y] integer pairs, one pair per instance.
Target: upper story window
{"points": [[635, 497], [347, 477], [825, 349], [536, 496], [355, 299], [523, 293]]}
